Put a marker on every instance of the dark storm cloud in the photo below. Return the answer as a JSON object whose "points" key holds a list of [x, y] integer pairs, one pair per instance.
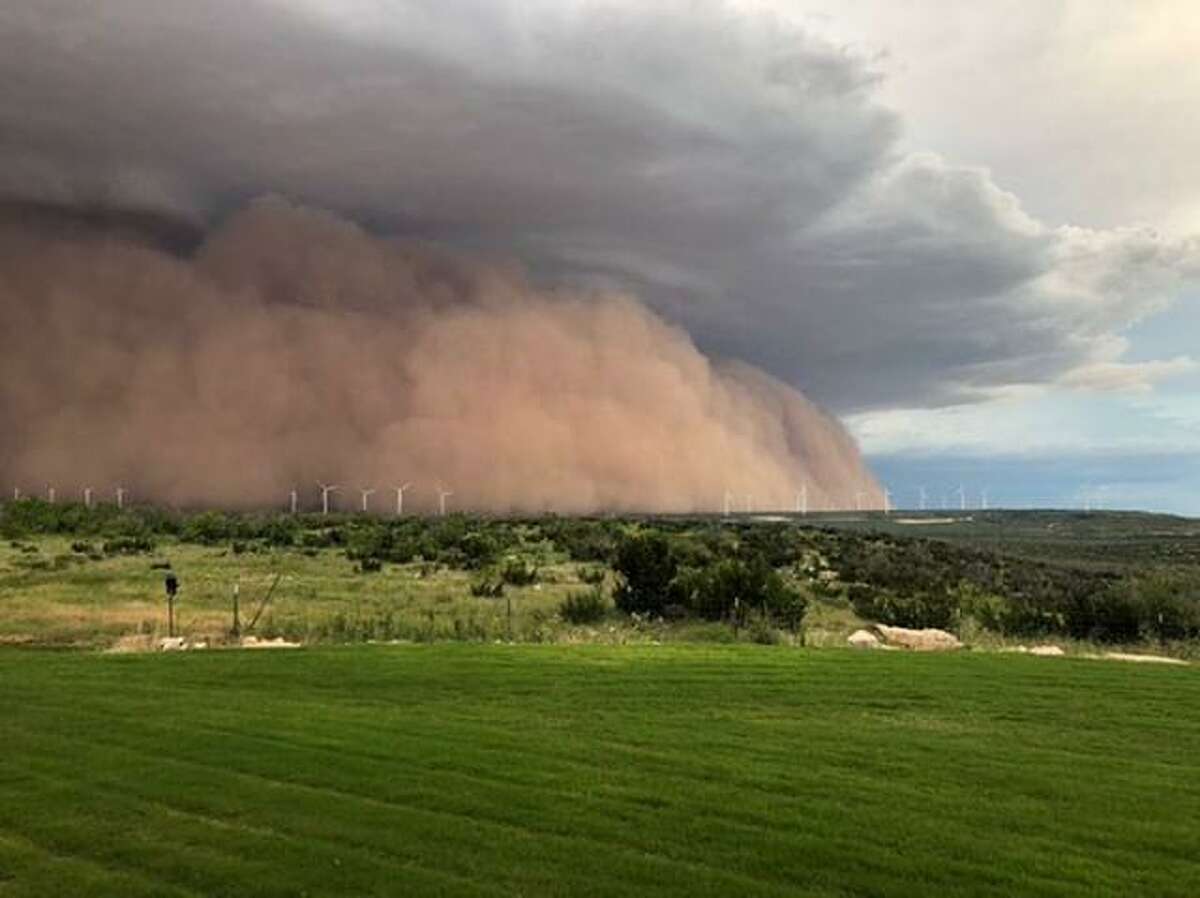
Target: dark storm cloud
{"points": [[735, 171]]}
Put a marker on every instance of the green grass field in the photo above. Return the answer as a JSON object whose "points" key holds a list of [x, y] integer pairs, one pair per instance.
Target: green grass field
{"points": [[527, 770]]}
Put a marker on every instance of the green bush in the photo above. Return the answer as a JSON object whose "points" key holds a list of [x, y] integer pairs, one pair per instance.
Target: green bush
{"points": [[645, 568], [918, 610], [516, 572], [128, 545], [487, 587], [586, 607], [593, 576], [732, 588]]}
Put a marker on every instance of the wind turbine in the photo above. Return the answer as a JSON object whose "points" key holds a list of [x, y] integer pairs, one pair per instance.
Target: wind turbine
{"points": [[16, 494], [400, 499], [326, 489], [50, 494], [295, 501], [887, 501], [924, 498], [120, 497], [858, 497], [443, 495], [87, 497], [728, 502], [802, 499], [983, 502], [962, 498], [749, 503], [366, 495]]}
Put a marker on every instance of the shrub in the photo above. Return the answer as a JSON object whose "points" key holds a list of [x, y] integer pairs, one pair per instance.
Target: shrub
{"points": [[759, 629], [487, 587], [516, 572], [918, 610], [208, 528], [645, 569], [479, 550], [586, 607], [128, 545], [1169, 605], [732, 588], [370, 565], [593, 576], [737, 587]]}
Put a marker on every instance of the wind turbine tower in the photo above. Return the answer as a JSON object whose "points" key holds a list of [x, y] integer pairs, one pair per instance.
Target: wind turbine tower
{"points": [[962, 498], [326, 489], [924, 498], [443, 495], [366, 495], [87, 497], [887, 501], [294, 501], [120, 497], [400, 499], [983, 500], [50, 494], [802, 499]]}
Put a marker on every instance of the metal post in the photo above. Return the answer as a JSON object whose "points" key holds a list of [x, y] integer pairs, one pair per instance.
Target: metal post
{"points": [[237, 624]]}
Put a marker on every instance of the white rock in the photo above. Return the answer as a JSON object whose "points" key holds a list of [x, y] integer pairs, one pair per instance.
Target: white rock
{"points": [[1046, 650], [930, 640], [863, 639]]}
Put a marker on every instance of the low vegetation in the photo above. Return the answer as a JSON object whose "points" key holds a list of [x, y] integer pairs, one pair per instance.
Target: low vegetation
{"points": [[71, 574]]}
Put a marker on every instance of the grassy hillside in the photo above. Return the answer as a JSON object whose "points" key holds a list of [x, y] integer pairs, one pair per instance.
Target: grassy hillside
{"points": [[461, 770]]}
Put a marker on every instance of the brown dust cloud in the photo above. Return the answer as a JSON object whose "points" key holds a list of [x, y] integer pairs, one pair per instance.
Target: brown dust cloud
{"points": [[292, 347]]}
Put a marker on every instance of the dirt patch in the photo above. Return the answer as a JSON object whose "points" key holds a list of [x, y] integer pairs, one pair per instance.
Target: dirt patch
{"points": [[253, 642], [1139, 659], [1047, 651], [134, 642]]}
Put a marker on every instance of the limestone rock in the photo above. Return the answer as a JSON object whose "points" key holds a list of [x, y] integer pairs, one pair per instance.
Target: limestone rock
{"points": [[863, 639], [930, 640]]}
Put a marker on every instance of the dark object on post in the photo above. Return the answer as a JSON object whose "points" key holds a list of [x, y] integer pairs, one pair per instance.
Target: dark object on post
{"points": [[172, 584]]}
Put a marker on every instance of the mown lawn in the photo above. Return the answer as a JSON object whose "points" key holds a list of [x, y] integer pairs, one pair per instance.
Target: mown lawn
{"points": [[681, 770]]}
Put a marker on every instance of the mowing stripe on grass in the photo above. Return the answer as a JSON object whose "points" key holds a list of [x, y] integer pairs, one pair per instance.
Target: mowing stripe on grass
{"points": [[598, 771]]}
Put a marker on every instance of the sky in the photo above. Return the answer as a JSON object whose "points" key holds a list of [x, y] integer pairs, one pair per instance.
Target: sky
{"points": [[972, 231]]}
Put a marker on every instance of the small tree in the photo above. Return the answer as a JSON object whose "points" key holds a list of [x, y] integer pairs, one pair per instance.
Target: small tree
{"points": [[645, 568]]}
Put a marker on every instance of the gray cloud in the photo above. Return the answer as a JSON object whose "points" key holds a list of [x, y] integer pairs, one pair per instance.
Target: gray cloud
{"points": [[733, 170]]}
